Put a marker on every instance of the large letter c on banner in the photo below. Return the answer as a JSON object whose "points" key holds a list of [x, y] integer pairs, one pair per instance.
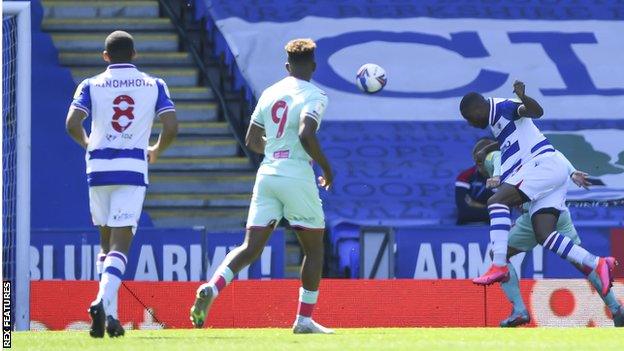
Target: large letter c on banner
{"points": [[466, 44]]}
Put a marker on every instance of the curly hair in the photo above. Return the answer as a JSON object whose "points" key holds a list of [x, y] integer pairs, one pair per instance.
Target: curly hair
{"points": [[300, 50]]}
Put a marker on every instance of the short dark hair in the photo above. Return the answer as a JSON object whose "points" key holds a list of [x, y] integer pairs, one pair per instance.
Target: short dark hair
{"points": [[300, 50], [481, 143], [120, 46], [469, 100]]}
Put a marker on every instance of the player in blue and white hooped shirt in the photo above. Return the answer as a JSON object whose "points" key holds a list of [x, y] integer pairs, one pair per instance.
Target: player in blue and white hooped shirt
{"points": [[122, 103], [531, 172]]}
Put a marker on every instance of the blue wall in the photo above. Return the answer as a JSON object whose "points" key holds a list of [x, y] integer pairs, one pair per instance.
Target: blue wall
{"points": [[59, 193]]}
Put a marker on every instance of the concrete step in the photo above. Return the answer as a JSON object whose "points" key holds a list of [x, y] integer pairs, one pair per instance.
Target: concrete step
{"points": [[206, 129], [215, 219], [202, 147], [202, 164], [174, 77], [197, 200], [79, 42], [200, 94], [106, 24], [195, 111], [201, 182], [166, 58], [94, 9]]}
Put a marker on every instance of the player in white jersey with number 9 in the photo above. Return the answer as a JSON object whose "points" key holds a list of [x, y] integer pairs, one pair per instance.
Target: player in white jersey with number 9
{"points": [[122, 102], [283, 128]]}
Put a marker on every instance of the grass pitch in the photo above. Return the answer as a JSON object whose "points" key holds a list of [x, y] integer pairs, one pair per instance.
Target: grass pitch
{"points": [[524, 339]]}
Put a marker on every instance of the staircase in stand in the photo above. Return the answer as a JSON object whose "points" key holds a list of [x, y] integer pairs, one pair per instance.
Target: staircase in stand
{"points": [[203, 179]]}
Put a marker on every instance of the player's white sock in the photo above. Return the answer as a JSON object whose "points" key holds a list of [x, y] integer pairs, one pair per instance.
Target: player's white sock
{"points": [[114, 268], [307, 301], [500, 223], [511, 288], [566, 249], [99, 264], [221, 278], [609, 300], [99, 267]]}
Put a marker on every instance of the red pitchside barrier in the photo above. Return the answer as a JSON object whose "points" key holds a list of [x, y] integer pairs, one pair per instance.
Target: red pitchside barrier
{"points": [[58, 305], [617, 250]]}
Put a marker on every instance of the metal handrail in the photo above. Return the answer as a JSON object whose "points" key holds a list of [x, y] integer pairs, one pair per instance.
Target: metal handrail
{"points": [[235, 125]]}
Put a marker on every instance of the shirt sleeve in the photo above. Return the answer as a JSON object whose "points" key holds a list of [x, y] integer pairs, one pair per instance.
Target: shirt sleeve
{"points": [[315, 108], [495, 160], [163, 101], [571, 168], [463, 179], [82, 97], [509, 109]]}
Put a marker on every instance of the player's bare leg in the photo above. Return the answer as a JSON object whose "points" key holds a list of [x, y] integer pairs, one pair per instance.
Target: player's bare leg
{"points": [[113, 268], [544, 222], [311, 270], [519, 313], [237, 259], [105, 233], [500, 224]]}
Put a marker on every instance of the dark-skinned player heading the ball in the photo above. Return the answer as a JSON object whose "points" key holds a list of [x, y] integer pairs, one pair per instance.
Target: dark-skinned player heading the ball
{"points": [[531, 172]]}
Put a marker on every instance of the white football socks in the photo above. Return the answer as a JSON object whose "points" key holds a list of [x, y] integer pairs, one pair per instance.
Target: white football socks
{"points": [[500, 223], [113, 270]]}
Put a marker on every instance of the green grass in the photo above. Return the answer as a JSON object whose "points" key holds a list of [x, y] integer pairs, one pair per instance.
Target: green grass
{"points": [[524, 339]]}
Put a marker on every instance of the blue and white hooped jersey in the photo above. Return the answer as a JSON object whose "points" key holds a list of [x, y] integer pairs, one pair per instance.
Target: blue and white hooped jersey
{"points": [[122, 102], [519, 139]]}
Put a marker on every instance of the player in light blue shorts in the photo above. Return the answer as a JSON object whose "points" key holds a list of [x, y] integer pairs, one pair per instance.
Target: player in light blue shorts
{"points": [[283, 127], [522, 239]]}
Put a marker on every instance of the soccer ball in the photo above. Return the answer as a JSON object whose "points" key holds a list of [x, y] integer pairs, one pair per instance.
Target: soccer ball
{"points": [[371, 78]]}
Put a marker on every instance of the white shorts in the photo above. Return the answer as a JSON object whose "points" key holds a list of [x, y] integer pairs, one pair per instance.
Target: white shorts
{"points": [[116, 205], [544, 180], [296, 200]]}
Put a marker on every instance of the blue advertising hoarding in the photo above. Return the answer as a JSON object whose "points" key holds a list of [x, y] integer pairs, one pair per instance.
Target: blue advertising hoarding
{"points": [[451, 252], [155, 255]]}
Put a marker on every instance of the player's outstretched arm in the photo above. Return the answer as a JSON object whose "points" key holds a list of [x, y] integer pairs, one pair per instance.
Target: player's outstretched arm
{"points": [[307, 136], [581, 179], [166, 137], [529, 108], [73, 125], [254, 139]]}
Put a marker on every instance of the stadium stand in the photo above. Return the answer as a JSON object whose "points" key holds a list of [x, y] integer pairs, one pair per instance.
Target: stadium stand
{"points": [[57, 165], [203, 180], [391, 171], [396, 155]]}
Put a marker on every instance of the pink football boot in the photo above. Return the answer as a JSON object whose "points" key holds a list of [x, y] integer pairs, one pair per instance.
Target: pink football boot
{"points": [[493, 275]]}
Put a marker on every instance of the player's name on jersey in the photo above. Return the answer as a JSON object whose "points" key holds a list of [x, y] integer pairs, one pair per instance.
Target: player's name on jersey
{"points": [[124, 83]]}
